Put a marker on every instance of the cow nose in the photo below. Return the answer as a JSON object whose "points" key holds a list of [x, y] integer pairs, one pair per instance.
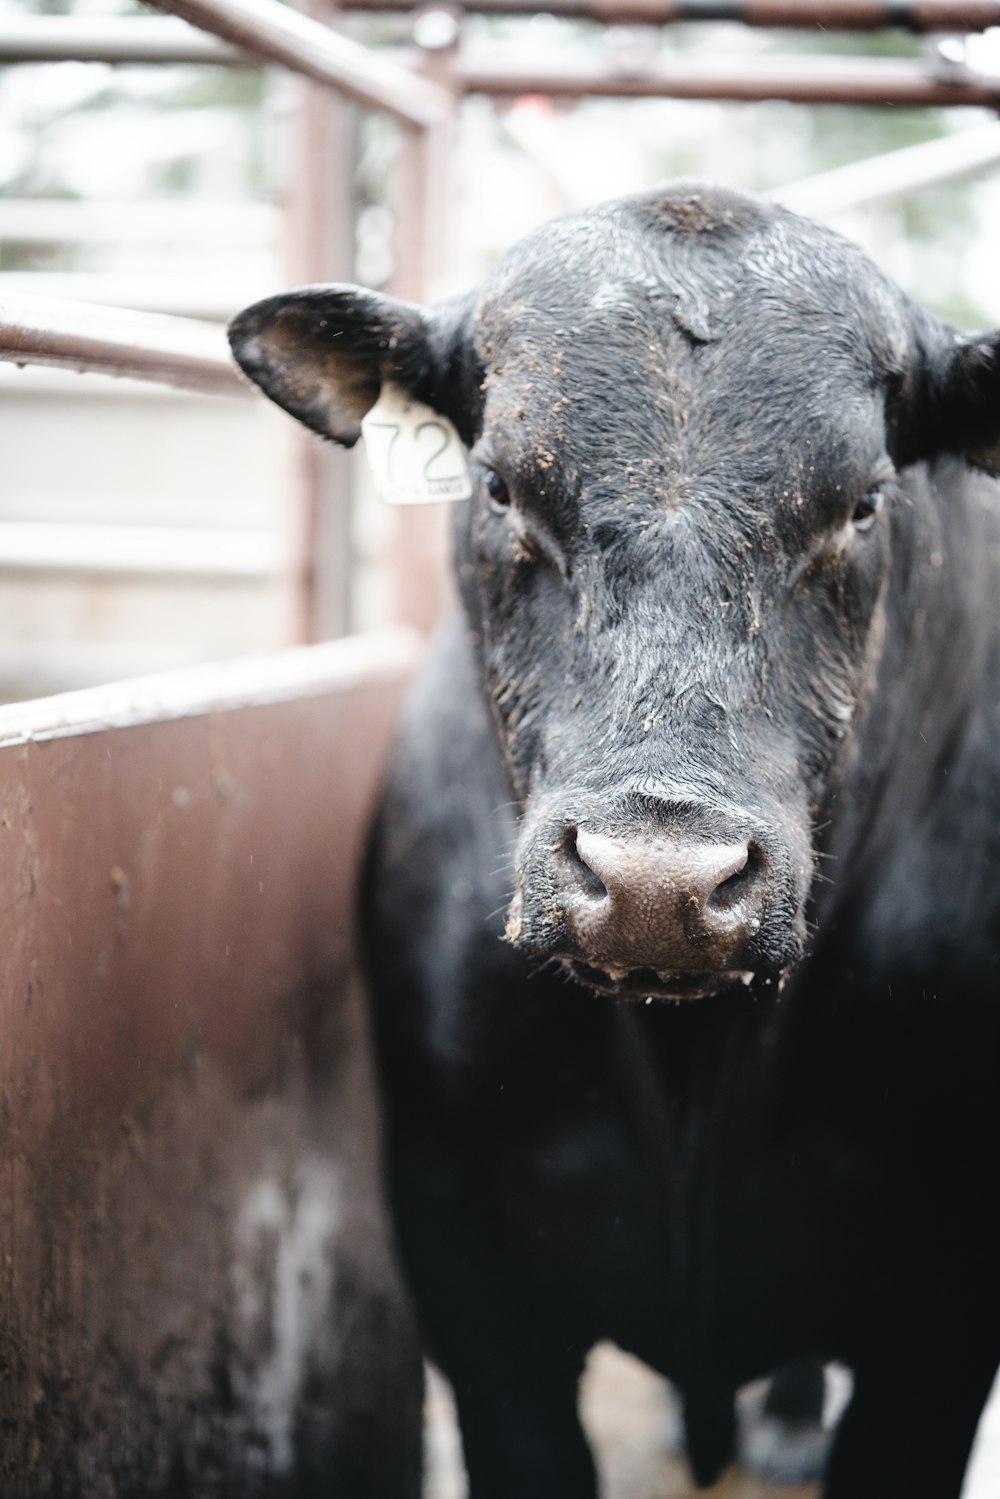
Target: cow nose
{"points": [[660, 901]]}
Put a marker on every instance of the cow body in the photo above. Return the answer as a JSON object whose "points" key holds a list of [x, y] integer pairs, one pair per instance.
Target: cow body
{"points": [[713, 745]]}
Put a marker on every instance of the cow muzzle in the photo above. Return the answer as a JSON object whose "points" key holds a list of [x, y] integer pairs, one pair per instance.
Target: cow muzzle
{"points": [[655, 912]]}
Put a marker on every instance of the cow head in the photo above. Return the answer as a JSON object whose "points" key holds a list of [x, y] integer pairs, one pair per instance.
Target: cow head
{"points": [[686, 413]]}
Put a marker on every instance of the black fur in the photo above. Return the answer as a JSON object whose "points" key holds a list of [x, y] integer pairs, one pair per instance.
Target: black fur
{"points": [[679, 613]]}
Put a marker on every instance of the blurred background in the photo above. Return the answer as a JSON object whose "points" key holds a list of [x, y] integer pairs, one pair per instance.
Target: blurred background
{"points": [[144, 528]]}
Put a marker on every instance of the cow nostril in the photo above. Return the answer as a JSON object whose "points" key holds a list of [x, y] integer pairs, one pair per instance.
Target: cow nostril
{"points": [[587, 879], [736, 886]]}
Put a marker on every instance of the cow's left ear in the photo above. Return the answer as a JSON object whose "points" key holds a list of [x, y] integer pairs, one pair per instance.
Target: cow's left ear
{"points": [[970, 396], [324, 352], [957, 398]]}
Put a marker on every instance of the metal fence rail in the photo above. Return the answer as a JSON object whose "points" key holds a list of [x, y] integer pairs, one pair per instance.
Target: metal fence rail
{"points": [[810, 15], [879, 179], [115, 39], [190, 354], [272, 32], [798, 80], [150, 39], [174, 351], [48, 221]]}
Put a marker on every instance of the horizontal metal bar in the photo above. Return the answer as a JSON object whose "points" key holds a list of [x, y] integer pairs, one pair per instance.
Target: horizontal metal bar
{"points": [[148, 39], [245, 32], [128, 551], [894, 174], [101, 221], [112, 39], [210, 296], [275, 33], [145, 346], [829, 15], [797, 80]]}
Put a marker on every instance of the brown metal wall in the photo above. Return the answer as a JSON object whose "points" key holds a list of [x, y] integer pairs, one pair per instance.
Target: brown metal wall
{"points": [[196, 1290]]}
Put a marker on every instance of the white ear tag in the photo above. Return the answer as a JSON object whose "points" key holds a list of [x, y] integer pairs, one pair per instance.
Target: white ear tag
{"points": [[415, 454]]}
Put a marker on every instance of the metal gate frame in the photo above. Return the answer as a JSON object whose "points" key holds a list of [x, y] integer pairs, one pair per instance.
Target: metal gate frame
{"points": [[196, 1284], [423, 93]]}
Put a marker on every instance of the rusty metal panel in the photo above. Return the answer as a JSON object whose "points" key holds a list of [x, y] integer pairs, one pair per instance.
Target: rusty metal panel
{"points": [[197, 1295]]}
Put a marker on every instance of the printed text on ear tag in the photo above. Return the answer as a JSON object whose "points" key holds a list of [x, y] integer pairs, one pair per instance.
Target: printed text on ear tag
{"points": [[415, 454]]}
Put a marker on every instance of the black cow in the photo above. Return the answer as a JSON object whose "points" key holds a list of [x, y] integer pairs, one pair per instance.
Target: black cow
{"points": [[682, 911]]}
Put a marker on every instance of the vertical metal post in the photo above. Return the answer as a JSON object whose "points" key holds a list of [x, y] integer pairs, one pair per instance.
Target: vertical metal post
{"points": [[320, 247], [418, 550]]}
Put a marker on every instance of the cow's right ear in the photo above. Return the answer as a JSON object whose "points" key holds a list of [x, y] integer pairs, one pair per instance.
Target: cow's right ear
{"points": [[323, 352]]}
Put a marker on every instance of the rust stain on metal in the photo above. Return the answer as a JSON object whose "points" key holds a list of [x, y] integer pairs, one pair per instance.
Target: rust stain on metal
{"points": [[122, 887]]}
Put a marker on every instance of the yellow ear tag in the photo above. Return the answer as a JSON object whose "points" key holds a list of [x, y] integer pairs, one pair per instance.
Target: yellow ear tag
{"points": [[415, 453]]}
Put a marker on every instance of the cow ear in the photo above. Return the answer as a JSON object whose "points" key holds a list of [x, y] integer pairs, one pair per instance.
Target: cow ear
{"points": [[323, 352], [971, 398], [956, 404]]}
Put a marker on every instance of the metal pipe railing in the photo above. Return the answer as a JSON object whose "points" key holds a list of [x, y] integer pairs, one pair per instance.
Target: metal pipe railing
{"points": [[265, 31], [275, 33], [180, 352], [894, 173], [798, 80], [138, 221], [152, 39], [112, 39], [827, 15]]}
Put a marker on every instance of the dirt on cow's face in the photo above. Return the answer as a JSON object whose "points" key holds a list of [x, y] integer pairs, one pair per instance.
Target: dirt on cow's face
{"points": [[695, 425], [675, 560]]}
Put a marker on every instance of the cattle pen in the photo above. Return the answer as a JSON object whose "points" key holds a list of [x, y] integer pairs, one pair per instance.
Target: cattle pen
{"points": [[197, 1287]]}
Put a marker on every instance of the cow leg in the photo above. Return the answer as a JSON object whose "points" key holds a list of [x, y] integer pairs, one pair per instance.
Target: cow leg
{"points": [[910, 1431], [512, 1362], [521, 1434], [783, 1440], [796, 1393]]}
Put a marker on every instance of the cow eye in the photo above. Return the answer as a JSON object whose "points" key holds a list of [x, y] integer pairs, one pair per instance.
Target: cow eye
{"points": [[866, 510], [497, 491]]}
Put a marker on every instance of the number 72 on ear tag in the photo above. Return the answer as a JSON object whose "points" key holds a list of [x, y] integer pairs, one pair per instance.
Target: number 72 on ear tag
{"points": [[415, 454]]}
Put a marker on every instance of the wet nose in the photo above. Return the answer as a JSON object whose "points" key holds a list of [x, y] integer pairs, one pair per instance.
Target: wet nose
{"points": [[661, 901]]}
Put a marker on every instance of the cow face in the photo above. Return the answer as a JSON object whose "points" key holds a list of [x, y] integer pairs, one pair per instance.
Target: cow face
{"points": [[686, 415]]}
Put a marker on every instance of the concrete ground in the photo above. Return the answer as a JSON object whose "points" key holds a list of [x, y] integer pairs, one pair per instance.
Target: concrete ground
{"points": [[632, 1419]]}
